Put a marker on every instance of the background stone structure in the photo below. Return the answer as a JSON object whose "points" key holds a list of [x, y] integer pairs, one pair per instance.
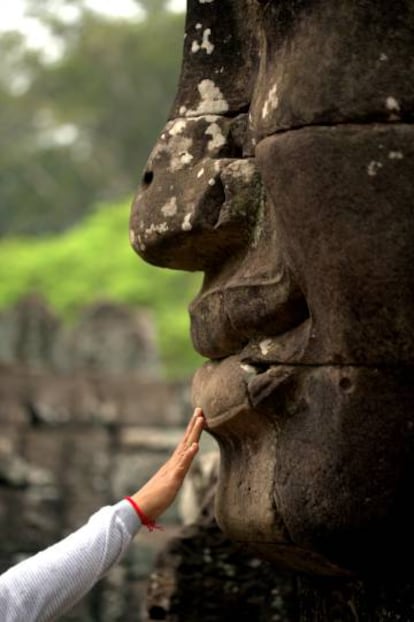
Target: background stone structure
{"points": [[79, 432], [85, 419]]}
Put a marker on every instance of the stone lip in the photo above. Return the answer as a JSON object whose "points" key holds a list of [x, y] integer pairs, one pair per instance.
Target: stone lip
{"points": [[250, 387]]}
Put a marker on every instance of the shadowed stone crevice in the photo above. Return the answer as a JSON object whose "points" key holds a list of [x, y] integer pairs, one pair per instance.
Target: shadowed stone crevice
{"points": [[374, 122]]}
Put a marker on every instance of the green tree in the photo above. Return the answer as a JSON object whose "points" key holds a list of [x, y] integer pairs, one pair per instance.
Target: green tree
{"points": [[78, 130], [94, 261], [153, 6]]}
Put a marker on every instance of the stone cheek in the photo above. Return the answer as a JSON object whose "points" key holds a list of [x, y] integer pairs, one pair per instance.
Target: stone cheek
{"points": [[347, 234], [341, 460], [344, 440]]}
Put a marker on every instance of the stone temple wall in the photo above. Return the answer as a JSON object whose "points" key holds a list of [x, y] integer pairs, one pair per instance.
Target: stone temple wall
{"points": [[85, 419]]}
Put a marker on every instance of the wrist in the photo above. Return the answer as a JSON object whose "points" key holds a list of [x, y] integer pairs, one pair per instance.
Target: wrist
{"points": [[145, 519]]}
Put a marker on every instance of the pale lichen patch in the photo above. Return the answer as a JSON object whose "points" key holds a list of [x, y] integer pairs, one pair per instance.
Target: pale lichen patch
{"points": [[186, 225], [212, 99], [183, 110], [178, 150], [211, 181], [177, 127], [248, 368], [243, 169], [271, 102], [132, 237], [200, 173], [185, 158], [395, 155], [373, 167], [265, 346], [206, 43], [170, 207], [161, 228], [217, 137], [392, 104], [141, 245], [383, 57], [205, 1]]}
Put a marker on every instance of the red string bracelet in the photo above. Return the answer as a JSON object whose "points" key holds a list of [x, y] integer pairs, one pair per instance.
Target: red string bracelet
{"points": [[147, 522]]}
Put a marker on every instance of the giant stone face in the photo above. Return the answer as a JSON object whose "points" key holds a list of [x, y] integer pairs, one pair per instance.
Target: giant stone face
{"points": [[285, 174]]}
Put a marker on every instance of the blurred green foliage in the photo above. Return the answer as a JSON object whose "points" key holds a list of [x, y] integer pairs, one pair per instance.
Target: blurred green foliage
{"points": [[93, 261], [77, 130]]}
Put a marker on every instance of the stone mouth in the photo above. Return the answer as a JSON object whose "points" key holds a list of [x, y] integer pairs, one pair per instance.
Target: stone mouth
{"points": [[229, 387]]}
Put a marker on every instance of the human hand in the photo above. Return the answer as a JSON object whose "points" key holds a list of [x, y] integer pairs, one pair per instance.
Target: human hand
{"points": [[160, 491]]}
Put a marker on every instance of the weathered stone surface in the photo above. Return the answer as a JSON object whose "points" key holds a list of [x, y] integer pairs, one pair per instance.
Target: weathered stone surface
{"points": [[158, 403], [113, 339], [108, 338], [350, 252], [201, 575], [152, 439], [28, 333], [306, 310], [218, 43], [343, 62], [302, 222], [14, 395]]}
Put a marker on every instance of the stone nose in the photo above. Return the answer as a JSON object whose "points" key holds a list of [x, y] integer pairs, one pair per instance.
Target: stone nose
{"points": [[199, 197]]}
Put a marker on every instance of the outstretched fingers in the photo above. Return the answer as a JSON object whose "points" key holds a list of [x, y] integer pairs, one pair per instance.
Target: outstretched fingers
{"points": [[188, 447], [160, 491], [193, 430]]}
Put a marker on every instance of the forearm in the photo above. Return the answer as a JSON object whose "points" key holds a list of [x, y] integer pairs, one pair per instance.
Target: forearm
{"points": [[51, 582]]}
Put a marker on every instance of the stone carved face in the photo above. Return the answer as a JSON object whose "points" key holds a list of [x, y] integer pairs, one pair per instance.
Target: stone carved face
{"points": [[285, 174]]}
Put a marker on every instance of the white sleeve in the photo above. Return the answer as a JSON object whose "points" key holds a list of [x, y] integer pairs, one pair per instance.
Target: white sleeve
{"points": [[46, 585]]}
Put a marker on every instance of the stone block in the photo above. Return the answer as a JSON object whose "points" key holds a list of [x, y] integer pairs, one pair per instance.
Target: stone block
{"points": [[150, 439], [14, 391], [115, 339], [155, 403], [50, 399], [85, 478]]}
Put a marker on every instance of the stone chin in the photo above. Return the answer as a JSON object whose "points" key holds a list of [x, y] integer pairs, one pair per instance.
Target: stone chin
{"points": [[292, 486], [246, 504]]}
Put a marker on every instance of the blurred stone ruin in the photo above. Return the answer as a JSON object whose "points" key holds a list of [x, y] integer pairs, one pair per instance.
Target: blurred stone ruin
{"points": [[86, 418]]}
